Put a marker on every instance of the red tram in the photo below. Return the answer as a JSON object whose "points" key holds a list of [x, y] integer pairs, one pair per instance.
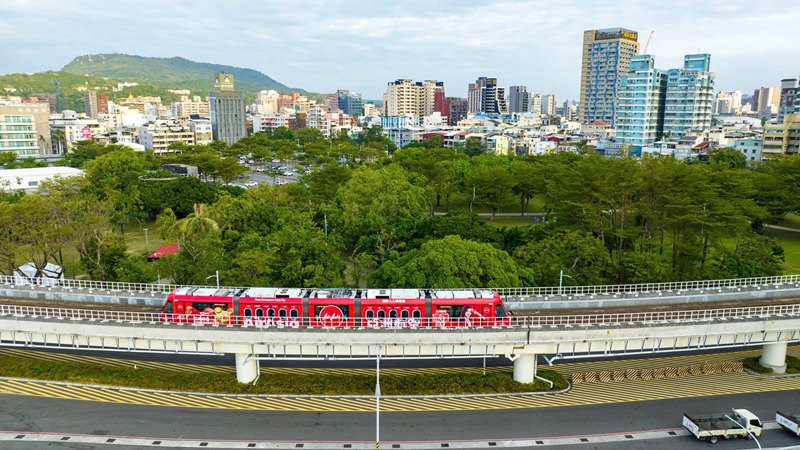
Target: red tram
{"points": [[340, 307]]}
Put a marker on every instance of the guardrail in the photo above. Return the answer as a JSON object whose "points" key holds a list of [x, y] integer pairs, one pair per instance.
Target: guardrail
{"points": [[504, 292], [221, 320]]}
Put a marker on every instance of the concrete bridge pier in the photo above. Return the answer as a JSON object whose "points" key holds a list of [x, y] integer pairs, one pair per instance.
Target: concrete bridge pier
{"points": [[524, 367], [773, 356], [247, 368]]}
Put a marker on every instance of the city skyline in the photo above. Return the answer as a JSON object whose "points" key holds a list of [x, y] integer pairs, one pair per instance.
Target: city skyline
{"points": [[323, 46]]}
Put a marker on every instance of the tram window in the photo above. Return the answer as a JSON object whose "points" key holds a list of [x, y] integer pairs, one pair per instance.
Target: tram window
{"points": [[404, 314], [270, 313], [393, 314], [381, 314], [207, 305], [498, 311], [248, 312], [369, 314], [417, 314], [293, 313], [259, 312], [168, 308], [282, 313]]}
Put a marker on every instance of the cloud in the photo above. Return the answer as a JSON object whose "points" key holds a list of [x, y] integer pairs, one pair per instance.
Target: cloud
{"points": [[322, 45]]}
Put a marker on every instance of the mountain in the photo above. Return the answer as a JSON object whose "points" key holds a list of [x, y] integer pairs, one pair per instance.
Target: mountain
{"points": [[172, 73], [73, 87]]}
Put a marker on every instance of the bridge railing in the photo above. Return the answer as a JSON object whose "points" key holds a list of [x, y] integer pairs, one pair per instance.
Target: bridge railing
{"points": [[518, 292], [222, 320], [674, 286]]}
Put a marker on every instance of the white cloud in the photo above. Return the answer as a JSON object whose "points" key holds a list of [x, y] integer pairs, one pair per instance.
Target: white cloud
{"points": [[323, 45]]}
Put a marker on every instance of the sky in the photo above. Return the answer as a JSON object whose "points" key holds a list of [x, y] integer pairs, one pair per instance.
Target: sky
{"points": [[322, 45]]}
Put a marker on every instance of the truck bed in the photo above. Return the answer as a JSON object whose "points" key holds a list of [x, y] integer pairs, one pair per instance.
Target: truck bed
{"points": [[714, 422]]}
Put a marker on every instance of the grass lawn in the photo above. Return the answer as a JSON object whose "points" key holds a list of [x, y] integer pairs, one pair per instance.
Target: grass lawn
{"points": [[135, 237], [510, 221], [291, 384], [790, 220], [461, 202], [790, 241]]}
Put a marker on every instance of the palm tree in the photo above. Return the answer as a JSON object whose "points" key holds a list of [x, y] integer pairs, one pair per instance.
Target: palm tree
{"points": [[196, 224]]}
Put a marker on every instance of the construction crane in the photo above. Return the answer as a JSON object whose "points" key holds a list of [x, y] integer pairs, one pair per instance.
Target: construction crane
{"points": [[644, 52]]}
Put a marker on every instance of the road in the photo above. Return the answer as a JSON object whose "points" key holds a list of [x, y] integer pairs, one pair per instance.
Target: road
{"points": [[22, 414]]}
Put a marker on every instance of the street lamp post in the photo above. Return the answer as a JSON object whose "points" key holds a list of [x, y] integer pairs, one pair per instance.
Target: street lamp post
{"points": [[216, 275], [378, 399], [146, 241], [745, 429], [561, 281]]}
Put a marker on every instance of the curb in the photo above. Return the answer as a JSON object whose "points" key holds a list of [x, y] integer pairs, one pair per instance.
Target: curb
{"points": [[766, 375]]}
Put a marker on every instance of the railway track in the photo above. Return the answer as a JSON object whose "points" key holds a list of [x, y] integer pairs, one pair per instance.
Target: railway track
{"points": [[536, 312]]}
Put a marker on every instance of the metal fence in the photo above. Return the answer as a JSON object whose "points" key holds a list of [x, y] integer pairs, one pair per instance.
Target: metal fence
{"points": [[519, 292], [663, 317]]}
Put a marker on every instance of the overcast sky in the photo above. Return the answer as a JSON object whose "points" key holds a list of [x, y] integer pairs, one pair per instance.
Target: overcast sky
{"points": [[323, 45]]}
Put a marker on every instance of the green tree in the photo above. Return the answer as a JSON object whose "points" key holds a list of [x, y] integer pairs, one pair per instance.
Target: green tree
{"points": [[380, 209], [580, 255], [492, 186], [451, 262], [754, 256], [728, 157]]}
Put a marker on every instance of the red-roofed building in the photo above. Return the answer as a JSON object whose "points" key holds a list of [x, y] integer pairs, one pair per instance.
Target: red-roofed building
{"points": [[169, 249]]}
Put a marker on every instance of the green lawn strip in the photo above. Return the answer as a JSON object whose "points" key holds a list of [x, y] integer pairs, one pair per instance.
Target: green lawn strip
{"points": [[792, 365], [279, 384], [790, 241]]}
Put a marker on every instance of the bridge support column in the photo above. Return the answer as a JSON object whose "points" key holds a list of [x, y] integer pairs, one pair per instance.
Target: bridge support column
{"points": [[774, 357], [525, 368], [246, 368]]}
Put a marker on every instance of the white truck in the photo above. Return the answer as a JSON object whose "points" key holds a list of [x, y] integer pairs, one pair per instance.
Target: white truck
{"points": [[789, 421], [737, 423]]}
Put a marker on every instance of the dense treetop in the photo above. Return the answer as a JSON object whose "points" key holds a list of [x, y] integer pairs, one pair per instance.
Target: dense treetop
{"points": [[368, 214]]}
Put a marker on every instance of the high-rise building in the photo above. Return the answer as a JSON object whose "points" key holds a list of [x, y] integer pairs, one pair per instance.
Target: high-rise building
{"points": [[606, 58], [267, 102], [673, 102], [518, 99], [640, 104], [102, 104], [226, 110], [458, 109], [788, 97], [484, 96], [90, 104], [190, 107], [766, 100], [549, 105], [726, 103], [350, 103], [409, 97], [689, 98], [25, 129], [535, 103]]}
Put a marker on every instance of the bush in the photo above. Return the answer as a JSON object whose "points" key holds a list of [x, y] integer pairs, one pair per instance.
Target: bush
{"points": [[287, 384], [792, 365], [753, 364]]}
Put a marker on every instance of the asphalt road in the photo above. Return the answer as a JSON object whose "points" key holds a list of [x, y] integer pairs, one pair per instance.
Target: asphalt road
{"points": [[32, 414]]}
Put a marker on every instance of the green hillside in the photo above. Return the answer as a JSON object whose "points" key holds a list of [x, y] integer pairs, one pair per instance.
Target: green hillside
{"points": [[72, 88], [172, 73]]}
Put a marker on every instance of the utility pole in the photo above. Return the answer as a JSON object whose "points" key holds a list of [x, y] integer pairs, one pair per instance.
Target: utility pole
{"points": [[378, 399], [561, 281]]}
